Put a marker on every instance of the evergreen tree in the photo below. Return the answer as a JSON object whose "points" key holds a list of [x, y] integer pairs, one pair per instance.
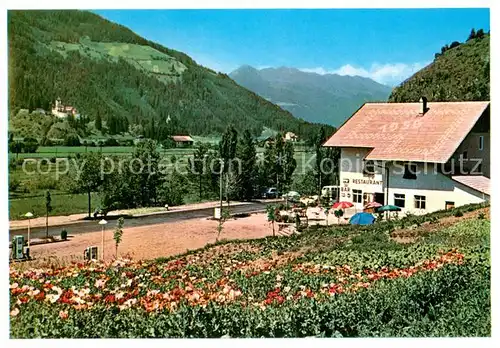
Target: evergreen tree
{"points": [[246, 179], [472, 35], [227, 152], [146, 175], [288, 164], [98, 122], [321, 137], [198, 167]]}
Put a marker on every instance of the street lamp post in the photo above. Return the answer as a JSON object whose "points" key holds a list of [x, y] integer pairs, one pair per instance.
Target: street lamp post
{"points": [[103, 224], [29, 215], [387, 173]]}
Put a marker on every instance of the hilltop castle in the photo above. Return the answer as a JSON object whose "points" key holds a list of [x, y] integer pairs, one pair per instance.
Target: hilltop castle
{"points": [[63, 111]]}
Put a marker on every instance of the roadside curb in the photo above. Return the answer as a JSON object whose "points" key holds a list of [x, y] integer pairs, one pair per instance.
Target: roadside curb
{"points": [[166, 212]]}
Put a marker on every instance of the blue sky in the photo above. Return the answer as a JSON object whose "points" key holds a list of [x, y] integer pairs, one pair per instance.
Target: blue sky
{"points": [[387, 45]]}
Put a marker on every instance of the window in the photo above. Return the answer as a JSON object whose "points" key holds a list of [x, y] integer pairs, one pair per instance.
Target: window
{"points": [[369, 168], [399, 200], [449, 205], [357, 196], [481, 142], [367, 198], [410, 171], [419, 202]]}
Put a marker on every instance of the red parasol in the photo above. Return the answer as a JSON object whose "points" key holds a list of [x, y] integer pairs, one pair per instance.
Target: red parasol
{"points": [[342, 205], [373, 205]]}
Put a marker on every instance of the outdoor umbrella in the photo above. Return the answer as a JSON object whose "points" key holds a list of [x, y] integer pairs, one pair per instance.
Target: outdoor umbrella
{"points": [[388, 208], [362, 219], [342, 205], [372, 205]]}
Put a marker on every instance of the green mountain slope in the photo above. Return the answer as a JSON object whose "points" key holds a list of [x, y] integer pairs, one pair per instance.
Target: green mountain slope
{"points": [[460, 73], [328, 98], [107, 71]]}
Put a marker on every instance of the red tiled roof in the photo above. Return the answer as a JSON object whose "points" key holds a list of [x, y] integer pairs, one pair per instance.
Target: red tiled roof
{"points": [[478, 183], [397, 131], [182, 138]]}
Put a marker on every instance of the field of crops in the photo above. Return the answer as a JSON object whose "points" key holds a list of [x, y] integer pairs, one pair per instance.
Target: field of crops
{"points": [[341, 282]]}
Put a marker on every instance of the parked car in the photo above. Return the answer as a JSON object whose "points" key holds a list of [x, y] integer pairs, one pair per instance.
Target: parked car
{"points": [[330, 192], [292, 196], [99, 212], [271, 192]]}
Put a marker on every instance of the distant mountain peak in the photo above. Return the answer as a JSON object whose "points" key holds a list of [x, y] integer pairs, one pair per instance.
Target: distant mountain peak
{"points": [[322, 98]]}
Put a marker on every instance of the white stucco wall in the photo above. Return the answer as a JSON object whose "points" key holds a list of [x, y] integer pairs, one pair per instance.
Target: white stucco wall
{"points": [[437, 188]]}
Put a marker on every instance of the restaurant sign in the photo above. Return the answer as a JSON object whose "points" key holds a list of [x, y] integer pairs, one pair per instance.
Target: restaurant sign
{"points": [[366, 182]]}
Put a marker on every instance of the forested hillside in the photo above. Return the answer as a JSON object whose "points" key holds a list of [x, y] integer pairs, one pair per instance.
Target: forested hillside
{"points": [[108, 72], [461, 71]]}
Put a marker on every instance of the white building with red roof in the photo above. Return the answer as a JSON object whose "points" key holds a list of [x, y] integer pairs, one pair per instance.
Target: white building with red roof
{"points": [[62, 111], [420, 156], [182, 140]]}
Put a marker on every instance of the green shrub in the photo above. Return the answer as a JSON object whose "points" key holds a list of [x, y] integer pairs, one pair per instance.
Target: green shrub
{"points": [[72, 140], [30, 145], [458, 213], [13, 184], [433, 220], [64, 235]]}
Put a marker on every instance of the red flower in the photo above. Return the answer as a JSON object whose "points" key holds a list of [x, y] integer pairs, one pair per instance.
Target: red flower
{"points": [[110, 298], [16, 291], [40, 296], [24, 299], [66, 297]]}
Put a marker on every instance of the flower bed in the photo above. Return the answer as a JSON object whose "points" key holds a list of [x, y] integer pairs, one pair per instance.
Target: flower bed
{"points": [[237, 289]]}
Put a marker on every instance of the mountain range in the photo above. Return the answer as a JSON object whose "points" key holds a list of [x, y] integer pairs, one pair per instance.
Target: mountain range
{"points": [[108, 72], [328, 98]]}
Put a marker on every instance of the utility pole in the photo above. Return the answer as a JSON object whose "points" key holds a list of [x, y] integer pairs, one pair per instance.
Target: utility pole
{"points": [[220, 186]]}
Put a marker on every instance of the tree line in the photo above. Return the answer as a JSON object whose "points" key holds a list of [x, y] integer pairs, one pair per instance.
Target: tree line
{"points": [[232, 171], [473, 35]]}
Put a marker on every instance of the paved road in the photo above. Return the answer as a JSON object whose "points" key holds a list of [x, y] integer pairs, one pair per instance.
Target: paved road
{"points": [[173, 216]]}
